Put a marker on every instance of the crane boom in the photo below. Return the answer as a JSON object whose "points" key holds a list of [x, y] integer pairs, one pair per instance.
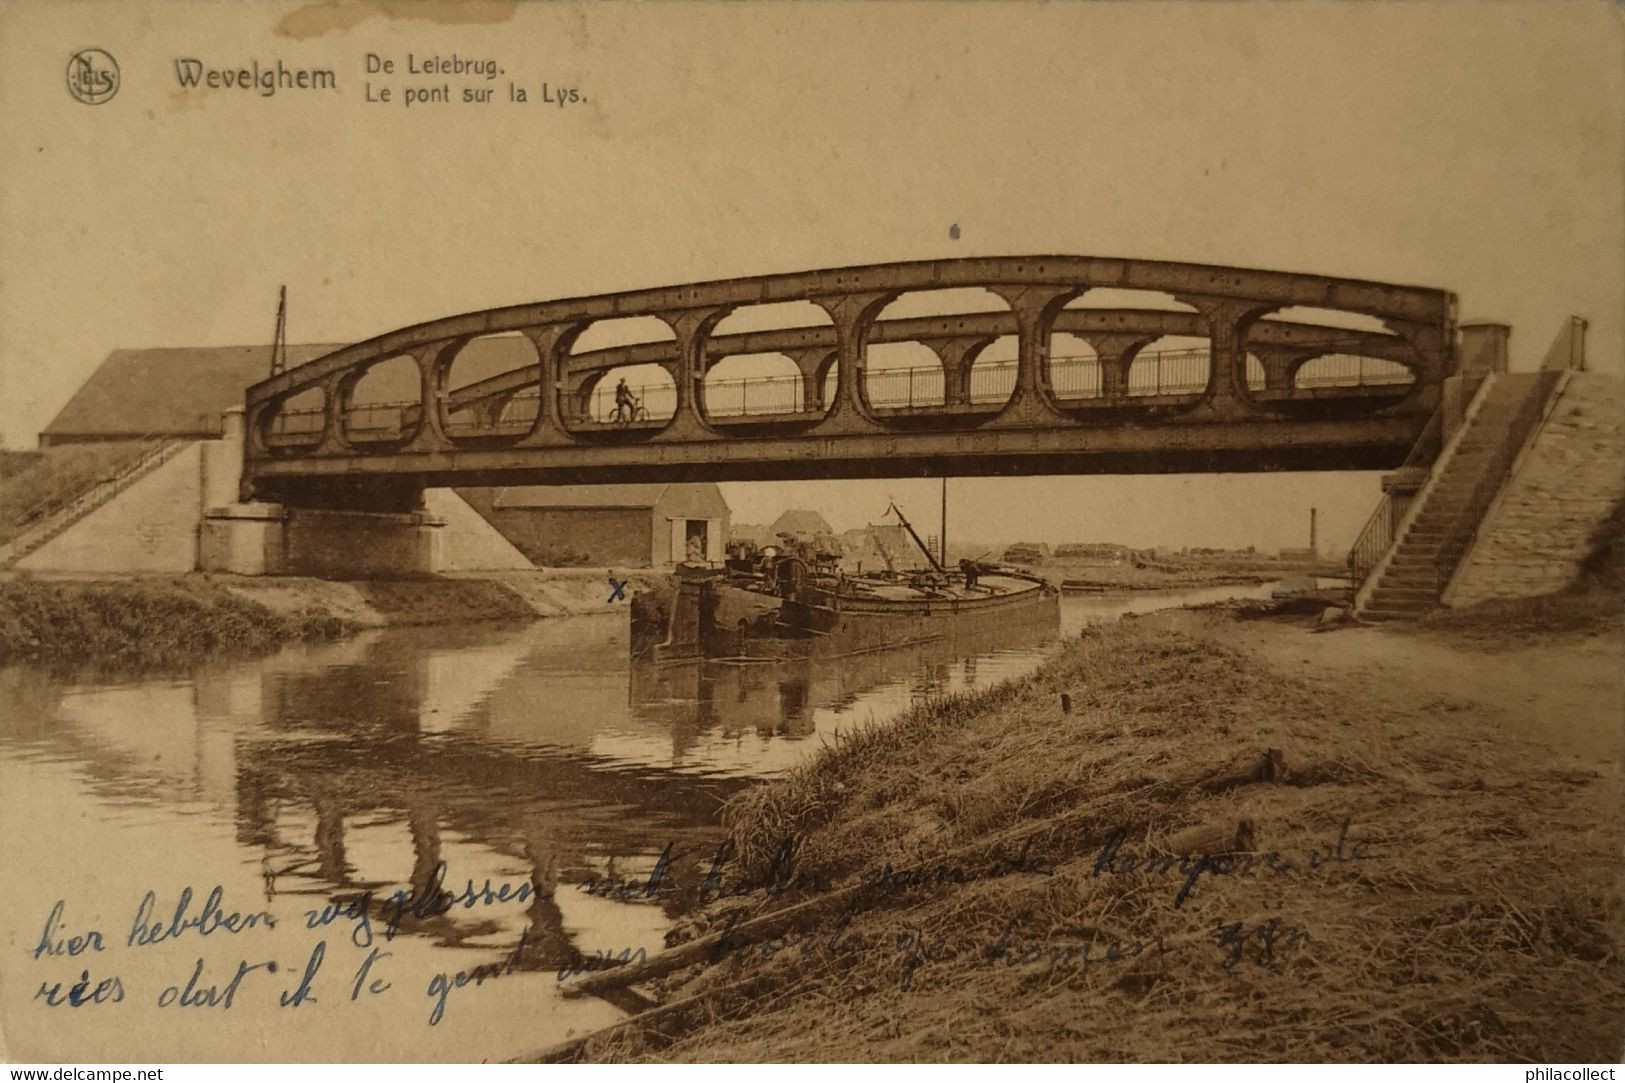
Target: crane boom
{"points": [[923, 547]]}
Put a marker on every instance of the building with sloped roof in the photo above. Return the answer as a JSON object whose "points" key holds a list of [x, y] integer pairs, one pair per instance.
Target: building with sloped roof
{"points": [[880, 546], [609, 525], [131, 468], [801, 523], [164, 393], [185, 392]]}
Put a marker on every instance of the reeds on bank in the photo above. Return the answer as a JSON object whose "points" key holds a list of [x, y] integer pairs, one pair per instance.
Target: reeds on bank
{"points": [[1416, 884], [142, 623]]}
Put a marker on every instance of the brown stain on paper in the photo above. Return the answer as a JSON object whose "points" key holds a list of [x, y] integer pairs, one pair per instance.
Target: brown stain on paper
{"points": [[313, 20]]}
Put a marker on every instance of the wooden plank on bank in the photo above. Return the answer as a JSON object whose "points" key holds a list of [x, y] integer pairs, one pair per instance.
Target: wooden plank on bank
{"points": [[1269, 766]]}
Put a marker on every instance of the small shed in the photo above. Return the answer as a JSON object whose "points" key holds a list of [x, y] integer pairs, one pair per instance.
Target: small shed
{"points": [[626, 525]]}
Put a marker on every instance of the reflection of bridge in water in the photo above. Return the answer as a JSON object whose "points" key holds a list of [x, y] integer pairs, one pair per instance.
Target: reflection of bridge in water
{"points": [[497, 780], [532, 756], [1247, 370]]}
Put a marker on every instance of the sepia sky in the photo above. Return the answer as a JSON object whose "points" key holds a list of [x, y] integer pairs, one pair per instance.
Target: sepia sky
{"points": [[1477, 147]]}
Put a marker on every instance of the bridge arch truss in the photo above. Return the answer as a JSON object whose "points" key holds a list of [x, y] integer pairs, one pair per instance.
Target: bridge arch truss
{"points": [[531, 422]]}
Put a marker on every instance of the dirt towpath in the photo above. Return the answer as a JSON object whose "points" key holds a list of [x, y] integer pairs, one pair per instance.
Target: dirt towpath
{"points": [[1567, 693]]}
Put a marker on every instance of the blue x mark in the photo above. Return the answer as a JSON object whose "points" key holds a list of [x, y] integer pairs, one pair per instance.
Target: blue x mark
{"points": [[618, 588]]}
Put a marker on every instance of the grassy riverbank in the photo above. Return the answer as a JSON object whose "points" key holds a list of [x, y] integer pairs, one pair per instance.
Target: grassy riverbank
{"points": [[143, 623], [172, 622], [1444, 881]]}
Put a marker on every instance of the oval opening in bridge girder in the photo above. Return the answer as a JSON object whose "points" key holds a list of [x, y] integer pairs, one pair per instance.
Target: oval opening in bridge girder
{"points": [[519, 410], [1256, 379], [960, 301], [780, 316], [1351, 370], [993, 376], [481, 359], [295, 423], [747, 384], [622, 331], [1330, 317], [1111, 297], [653, 391], [382, 407], [903, 376], [898, 375], [1074, 367], [1170, 365]]}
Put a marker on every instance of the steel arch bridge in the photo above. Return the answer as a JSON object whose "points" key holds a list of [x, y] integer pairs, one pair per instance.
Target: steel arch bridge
{"points": [[1246, 408]]}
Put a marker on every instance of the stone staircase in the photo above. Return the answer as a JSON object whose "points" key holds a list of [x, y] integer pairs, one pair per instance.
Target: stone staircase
{"points": [[1418, 569]]}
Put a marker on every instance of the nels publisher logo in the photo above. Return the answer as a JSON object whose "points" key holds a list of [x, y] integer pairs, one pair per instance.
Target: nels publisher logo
{"points": [[93, 76]]}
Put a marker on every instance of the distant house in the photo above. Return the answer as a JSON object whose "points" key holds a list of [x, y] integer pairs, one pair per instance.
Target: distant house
{"points": [[1026, 553], [880, 546], [628, 525], [801, 523], [755, 534], [1093, 551]]}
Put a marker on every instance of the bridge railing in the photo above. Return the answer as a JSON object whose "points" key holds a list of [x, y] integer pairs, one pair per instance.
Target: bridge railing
{"points": [[1167, 372], [299, 422], [1377, 536], [753, 395], [1374, 539], [1151, 374], [1170, 372], [1161, 372]]}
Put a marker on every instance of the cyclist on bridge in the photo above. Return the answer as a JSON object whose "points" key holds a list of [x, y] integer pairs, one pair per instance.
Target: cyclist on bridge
{"points": [[625, 404]]}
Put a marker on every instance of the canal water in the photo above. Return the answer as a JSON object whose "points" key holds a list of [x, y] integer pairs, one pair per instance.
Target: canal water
{"points": [[307, 799]]}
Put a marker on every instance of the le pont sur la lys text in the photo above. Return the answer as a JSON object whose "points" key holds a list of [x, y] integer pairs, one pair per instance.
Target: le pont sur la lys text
{"points": [[418, 86]]}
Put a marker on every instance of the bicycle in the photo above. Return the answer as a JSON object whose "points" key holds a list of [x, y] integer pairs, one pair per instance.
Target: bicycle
{"points": [[627, 413]]}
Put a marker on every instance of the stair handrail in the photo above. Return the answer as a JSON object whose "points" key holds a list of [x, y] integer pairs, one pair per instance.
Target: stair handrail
{"points": [[1429, 442], [1372, 541], [1378, 533], [54, 504], [50, 518], [1463, 529]]}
